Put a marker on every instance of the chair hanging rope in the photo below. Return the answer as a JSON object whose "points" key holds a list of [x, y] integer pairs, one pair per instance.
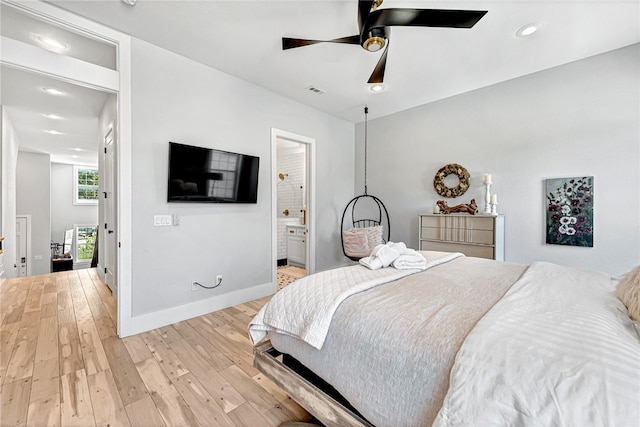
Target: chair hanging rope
{"points": [[364, 228], [366, 114]]}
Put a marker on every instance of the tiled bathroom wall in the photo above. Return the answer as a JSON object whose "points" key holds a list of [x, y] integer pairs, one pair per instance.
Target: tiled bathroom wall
{"points": [[291, 191]]}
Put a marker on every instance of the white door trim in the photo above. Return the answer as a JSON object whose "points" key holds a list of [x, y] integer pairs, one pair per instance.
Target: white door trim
{"points": [[60, 70], [311, 198]]}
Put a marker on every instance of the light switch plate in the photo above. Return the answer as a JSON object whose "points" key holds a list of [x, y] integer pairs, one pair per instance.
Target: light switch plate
{"points": [[162, 220]]}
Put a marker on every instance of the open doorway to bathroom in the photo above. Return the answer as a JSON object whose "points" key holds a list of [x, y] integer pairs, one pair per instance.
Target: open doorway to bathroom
{"points": [[293, 216]]}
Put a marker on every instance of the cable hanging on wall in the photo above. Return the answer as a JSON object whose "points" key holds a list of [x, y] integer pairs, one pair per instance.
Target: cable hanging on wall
{"points": [[365, 220]]}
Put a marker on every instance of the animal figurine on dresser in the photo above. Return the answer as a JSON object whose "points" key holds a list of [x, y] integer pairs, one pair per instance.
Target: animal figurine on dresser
{"points": [[471, 208]]}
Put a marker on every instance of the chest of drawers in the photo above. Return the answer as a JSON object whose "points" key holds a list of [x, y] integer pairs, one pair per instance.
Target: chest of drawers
{"points": [[479, 236]]}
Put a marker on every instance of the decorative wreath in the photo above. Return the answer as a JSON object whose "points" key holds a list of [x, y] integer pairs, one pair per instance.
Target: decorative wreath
{"points": [[456, 169]]}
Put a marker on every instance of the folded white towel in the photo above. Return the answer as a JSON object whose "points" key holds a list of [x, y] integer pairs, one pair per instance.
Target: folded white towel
{"points": [[371, 262], [374, 251], [400, 247], [387, 255], [410, 259]]}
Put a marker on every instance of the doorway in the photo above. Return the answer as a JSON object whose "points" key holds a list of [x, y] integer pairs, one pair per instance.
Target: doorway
{"points": [[293, 206], [113, 79], [23, 245]]}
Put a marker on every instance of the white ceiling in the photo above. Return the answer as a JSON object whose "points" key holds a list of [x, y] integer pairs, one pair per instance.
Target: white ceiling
{"points": [[243, 38]]}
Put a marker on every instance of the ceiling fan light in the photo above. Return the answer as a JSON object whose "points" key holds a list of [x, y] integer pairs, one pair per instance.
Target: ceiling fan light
{"points": [[373, 44]]}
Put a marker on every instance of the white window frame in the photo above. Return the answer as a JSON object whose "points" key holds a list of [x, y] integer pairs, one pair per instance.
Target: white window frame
{"points": [[76, 187]]}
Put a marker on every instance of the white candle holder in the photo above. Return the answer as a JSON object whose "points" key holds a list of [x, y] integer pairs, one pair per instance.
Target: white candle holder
{"points": [[487, 198], [494, 208]]}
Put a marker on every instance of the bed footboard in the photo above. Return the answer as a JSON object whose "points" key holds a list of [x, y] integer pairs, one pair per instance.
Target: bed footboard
{"points": [[303, 390]]}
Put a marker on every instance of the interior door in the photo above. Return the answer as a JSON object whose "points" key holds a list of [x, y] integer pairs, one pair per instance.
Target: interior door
{"points": [[109, 229], [22, 241]]}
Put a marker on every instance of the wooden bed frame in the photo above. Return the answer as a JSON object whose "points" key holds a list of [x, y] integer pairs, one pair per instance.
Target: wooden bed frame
{"points": [[306, 388]]}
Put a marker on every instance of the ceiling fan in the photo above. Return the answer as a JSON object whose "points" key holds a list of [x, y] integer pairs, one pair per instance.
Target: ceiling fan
{"points": [[374, 24]]}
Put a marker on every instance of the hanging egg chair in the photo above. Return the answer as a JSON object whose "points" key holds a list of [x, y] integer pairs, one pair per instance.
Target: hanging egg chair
{"points": [[365, 220]]}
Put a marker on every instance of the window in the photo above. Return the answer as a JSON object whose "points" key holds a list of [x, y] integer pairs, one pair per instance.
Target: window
{"points": [[85, 242], [85, 185], [223, 168]]}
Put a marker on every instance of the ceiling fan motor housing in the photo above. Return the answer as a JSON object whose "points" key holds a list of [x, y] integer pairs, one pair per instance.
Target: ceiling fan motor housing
{"points": [[375, 41]]}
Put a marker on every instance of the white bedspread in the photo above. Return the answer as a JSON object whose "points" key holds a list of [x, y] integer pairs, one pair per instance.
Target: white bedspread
{"points": [[305, 308], [557, 350]]}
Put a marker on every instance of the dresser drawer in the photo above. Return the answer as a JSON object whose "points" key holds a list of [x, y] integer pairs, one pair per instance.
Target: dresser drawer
{"points": [[296, 231], [465, 222], [484, 237], [468, 250]]}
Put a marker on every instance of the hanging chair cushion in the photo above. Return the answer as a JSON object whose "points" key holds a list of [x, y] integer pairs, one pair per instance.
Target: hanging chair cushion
{"points": [[359, 242], [356, 243], [374, 235]]}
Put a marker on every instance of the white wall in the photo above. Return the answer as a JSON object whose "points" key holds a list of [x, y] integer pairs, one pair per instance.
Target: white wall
{"points": [[8, 161], [64, 214], [33, 195], [575, 120], [176, 99]]}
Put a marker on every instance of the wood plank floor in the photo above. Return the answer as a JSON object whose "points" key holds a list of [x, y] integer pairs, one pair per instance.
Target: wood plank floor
{"points": [[62, 364]]}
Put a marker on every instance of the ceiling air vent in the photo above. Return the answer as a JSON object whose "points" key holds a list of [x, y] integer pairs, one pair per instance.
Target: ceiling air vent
{"points": [[316, 90]]}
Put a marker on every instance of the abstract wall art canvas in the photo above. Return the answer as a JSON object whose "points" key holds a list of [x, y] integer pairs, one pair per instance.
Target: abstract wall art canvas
{"points": [[570, 211]]}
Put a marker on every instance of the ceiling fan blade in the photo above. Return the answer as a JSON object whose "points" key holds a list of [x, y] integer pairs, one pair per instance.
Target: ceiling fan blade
{"points": [[378, 73], [423, 18], [289, 43], [364, 9]]}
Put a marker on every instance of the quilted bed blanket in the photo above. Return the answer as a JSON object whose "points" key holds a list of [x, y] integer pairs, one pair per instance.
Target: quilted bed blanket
{"points": [[305, 308]]}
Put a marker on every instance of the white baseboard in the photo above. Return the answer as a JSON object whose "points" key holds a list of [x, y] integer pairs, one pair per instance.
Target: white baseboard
{"points": [[158, 319], [100, 271]]}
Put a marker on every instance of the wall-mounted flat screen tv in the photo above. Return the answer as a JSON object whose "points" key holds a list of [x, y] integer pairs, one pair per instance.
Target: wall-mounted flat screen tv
{"points": [[206, 175]]}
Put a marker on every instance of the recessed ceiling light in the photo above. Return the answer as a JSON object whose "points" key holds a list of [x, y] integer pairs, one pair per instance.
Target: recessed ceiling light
{"points": [[377, 88], [77, 149], [130, 2], [53, 116], [53, 132], [529, 29], [52, 91], [48, 42]]}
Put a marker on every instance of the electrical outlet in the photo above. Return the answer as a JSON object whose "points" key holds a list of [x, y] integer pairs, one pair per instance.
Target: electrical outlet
{"points": [[194, 287], [218, 279]]}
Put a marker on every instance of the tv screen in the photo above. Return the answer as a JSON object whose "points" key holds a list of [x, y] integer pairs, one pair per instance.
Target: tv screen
{"points": [[198, 174]]}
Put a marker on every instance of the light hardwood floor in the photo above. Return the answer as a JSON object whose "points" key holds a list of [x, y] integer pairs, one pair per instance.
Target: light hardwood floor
{"points": [[62, 364]]}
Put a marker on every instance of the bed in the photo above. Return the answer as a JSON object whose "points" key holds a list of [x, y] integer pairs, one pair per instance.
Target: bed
{"points": [[467, 341]]}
